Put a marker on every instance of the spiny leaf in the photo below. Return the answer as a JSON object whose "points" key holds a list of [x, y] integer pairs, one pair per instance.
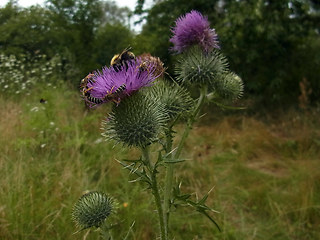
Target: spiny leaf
{"points": [[174, 161]]}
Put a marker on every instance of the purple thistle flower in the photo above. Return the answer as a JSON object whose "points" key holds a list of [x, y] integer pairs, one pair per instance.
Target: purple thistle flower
{"points": [[193, 29], [113, 85]]}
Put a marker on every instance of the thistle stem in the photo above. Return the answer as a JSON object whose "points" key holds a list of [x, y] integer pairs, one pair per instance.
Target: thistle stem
{"points": [[170, 166], [168, 181], [192, 119], [105, 232], [155, 192]]}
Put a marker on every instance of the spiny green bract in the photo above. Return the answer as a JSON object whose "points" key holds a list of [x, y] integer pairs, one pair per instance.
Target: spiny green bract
{"points": [[229, 87], [175, 99], [92, 209], [196, 67], [137, 121]]}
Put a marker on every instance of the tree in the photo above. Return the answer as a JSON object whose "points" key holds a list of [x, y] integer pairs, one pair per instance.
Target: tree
{"points": [[78, 28], [24, 30], [272, 44], [265, 41]]}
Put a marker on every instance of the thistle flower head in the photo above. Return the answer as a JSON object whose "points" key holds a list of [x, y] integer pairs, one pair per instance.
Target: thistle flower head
{"points": [[137, 121], [92, 209], [112, 84], [193, 29], [195, 67]]}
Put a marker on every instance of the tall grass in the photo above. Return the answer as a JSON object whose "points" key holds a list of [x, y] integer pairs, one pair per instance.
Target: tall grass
{"points": [[265, 173]]}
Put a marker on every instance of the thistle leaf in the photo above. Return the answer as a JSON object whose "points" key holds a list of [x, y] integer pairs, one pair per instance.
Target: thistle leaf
{"points": [[175, 161]]}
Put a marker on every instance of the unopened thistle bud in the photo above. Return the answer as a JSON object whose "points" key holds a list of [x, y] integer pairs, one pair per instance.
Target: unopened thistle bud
{"points": [[92, 209], [175, 99], [229, 87], [137, 121], [195, 67]]}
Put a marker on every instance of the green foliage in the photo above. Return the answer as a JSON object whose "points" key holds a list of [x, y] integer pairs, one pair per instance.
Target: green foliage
{"points": [[85, 34], [109, 40], [265, 173], [25, 31], [18, 76], [273, 45], [79, 26], [262, 40]]}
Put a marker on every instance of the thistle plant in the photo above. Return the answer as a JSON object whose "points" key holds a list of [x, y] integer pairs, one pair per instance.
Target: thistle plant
{"points": [[146, 108]]}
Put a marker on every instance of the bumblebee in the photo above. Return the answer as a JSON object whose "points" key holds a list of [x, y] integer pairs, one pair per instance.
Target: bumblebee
{"points": [[120, 60]]}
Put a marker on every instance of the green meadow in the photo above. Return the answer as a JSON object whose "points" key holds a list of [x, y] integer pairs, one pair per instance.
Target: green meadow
{"points": [[263, 172], [259, 164]]}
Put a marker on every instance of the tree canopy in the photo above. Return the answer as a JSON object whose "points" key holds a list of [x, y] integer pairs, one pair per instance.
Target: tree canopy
{"points": [[273, 44]]}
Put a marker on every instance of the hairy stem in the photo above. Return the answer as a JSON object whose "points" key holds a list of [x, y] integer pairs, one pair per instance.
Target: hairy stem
{"points": [[192, 119], [168, 181], [170, 166], [105, 232], [155, 192]]}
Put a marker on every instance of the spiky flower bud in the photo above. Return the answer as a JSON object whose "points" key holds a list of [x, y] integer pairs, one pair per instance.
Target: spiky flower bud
{"points": [[92, 209], [137, 121], [196, 67], [229, 87], [175, 99]]}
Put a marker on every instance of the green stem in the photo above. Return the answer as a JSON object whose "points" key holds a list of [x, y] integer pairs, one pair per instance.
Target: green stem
{"points": [[105, 232], [193, 118], [155, 192], [170, 166], [168, 181]]}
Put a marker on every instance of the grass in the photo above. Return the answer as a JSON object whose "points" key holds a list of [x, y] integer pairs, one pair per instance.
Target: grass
{"points": [[265, 173]]}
